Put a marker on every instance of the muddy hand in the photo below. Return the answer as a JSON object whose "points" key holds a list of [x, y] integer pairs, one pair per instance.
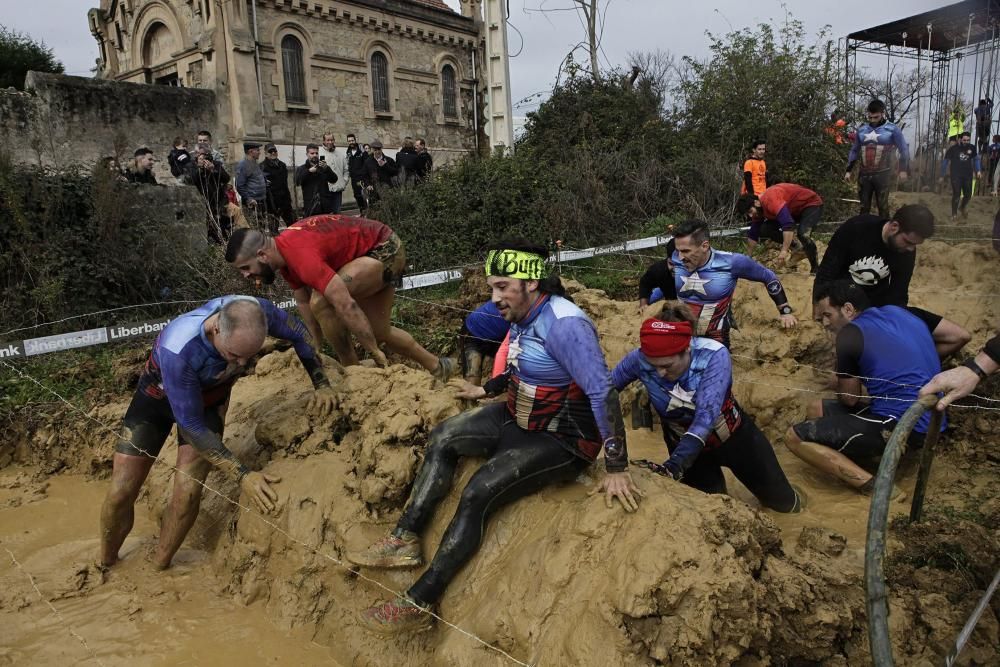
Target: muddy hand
{"points": [[257, 485], [467, 390], [956, 383], [788, 321], [619, 485], [323, 402], [378, 356]]}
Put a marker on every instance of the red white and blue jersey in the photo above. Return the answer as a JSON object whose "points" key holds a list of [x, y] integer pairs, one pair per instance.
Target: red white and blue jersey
{"points": [[708, 290], [700, 402], [559, 381], [875, 145], [187, 370]]}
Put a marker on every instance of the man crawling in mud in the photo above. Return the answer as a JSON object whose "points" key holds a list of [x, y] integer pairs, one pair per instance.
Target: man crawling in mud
{"points": [[561, 411], [187, 381], [343, 272]]}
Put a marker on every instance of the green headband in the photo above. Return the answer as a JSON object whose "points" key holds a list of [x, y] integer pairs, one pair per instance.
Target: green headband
{"points": [[515, 264]]}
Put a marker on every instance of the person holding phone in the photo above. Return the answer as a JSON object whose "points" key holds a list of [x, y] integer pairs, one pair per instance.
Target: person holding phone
{"points": [[314, 177]]}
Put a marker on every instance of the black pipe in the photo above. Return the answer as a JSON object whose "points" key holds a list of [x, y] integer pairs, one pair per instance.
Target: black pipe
{"points": [[923, 475], [878, 515]]}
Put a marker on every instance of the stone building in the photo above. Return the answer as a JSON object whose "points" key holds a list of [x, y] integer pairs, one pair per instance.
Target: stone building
{"points": [[288, 70]]}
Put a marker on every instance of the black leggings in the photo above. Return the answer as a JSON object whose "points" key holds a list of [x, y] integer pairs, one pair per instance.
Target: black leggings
{"points": [[961, 187], [750, 456], [874, 184], [807, 221], [518, 464]]}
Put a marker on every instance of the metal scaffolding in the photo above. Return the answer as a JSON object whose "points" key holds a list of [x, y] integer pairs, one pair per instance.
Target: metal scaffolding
{"points": [[960, 47]]}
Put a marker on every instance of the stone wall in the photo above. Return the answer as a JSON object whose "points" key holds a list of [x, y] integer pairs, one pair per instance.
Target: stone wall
{"points": [[68, 120]]}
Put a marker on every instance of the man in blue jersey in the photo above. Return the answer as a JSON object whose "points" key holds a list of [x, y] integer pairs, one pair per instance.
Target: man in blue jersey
{"points": [[482, 333], [705, 280], [875, 144], [561, 413], [890, 351], [187, 380], [690, 385]]}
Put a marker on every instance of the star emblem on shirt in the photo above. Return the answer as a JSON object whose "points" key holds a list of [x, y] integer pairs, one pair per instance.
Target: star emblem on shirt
{"points": [[871, 136], [680, 397], [693, 283]]}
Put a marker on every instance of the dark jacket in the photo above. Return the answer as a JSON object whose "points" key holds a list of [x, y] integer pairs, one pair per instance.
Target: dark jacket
{"points": [[276, 174], [408, 161], [179, 160], [144, 177], [424, 165], [356, 164], [211, 184], [386, 173], [314, 186]]}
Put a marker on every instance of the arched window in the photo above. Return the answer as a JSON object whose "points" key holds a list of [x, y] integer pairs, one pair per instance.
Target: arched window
{"points": [[448, 92], [380, 82], [293, 70]]}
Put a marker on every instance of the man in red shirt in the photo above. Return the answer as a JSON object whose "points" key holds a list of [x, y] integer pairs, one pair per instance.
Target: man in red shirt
{"points": [[344, 272], [782, 213]]}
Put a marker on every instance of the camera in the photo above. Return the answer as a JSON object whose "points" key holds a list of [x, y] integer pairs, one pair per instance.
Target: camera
{"points": [[322, 158]]}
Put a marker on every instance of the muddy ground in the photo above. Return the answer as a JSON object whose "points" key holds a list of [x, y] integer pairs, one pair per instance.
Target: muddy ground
{"points": [[689, 580]]}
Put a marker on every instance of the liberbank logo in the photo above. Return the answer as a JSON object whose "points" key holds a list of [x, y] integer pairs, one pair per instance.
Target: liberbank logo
{"points": [[60, 342]]}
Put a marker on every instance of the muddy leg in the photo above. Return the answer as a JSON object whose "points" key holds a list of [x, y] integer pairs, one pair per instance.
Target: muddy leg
{"points": [[182, 510], [118, 511]]}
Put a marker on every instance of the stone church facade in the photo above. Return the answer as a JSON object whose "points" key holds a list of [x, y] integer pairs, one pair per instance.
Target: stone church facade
{"points": [[288, 70]]}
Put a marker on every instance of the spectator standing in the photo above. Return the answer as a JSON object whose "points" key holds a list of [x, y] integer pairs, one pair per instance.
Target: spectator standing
{"points": [[314, 177], [984, 119], [408, 161], [425, 161], [250, 182], [211, 179], [356, 171], [387, 168], [179, 158], [279, 198], [338, 164], [755, 170], [141, 170], [205, 137]]}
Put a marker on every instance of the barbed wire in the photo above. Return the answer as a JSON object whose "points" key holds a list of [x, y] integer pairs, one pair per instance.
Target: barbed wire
{"points": [[52, 607], [249, 510]]}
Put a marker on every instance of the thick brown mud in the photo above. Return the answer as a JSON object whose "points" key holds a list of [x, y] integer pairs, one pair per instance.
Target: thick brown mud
{"points": [[688, 580]]}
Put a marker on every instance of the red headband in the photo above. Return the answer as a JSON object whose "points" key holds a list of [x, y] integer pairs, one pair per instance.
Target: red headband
{"points": [[664, 339]]}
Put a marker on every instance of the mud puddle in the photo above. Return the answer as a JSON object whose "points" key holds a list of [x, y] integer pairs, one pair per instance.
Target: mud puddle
{"points": [[133, 615]]}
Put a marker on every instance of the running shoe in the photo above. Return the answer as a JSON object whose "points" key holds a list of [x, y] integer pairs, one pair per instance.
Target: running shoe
{"points": [[445, 368], [396, 616], [390, 552]]}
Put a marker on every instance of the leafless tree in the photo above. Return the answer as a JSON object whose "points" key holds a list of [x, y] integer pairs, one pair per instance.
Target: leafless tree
{"points": [[899, 89], [592, 16]]}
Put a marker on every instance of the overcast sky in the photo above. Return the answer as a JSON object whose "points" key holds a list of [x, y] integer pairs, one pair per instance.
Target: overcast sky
{"points": [[677, 26]]}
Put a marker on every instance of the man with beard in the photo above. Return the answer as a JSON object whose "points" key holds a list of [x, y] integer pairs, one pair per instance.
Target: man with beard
{"points": [[356, 170], [878, 255], [874, 145], [313, 176], [187, 381], [344, 272], [561, 413]]}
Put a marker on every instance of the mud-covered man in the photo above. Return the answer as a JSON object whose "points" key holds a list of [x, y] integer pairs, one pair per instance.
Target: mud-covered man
{"points": [[483, 331], [560, 413], [344, 272], [890, 352], [187, 381], [705, 279]]}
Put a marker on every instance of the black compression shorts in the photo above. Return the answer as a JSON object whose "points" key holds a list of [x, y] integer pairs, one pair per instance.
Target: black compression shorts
{"points": [[148, 421], [856, 433]]}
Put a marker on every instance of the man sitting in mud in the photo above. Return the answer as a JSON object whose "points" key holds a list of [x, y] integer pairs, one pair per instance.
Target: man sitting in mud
{"points": [[344, 272], [483, 331], [187, 381], [689, 381], [706, 278], [560, 413], [879, 256], [889, 351]]}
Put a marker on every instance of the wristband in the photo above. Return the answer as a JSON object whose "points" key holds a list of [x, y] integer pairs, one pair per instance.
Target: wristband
{"points": [[785, 310], [974, 367]]}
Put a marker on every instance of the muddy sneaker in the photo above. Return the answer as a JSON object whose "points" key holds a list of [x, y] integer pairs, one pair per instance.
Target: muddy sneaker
{"points": [[390, 552], [396, 616], [445, 369]]}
